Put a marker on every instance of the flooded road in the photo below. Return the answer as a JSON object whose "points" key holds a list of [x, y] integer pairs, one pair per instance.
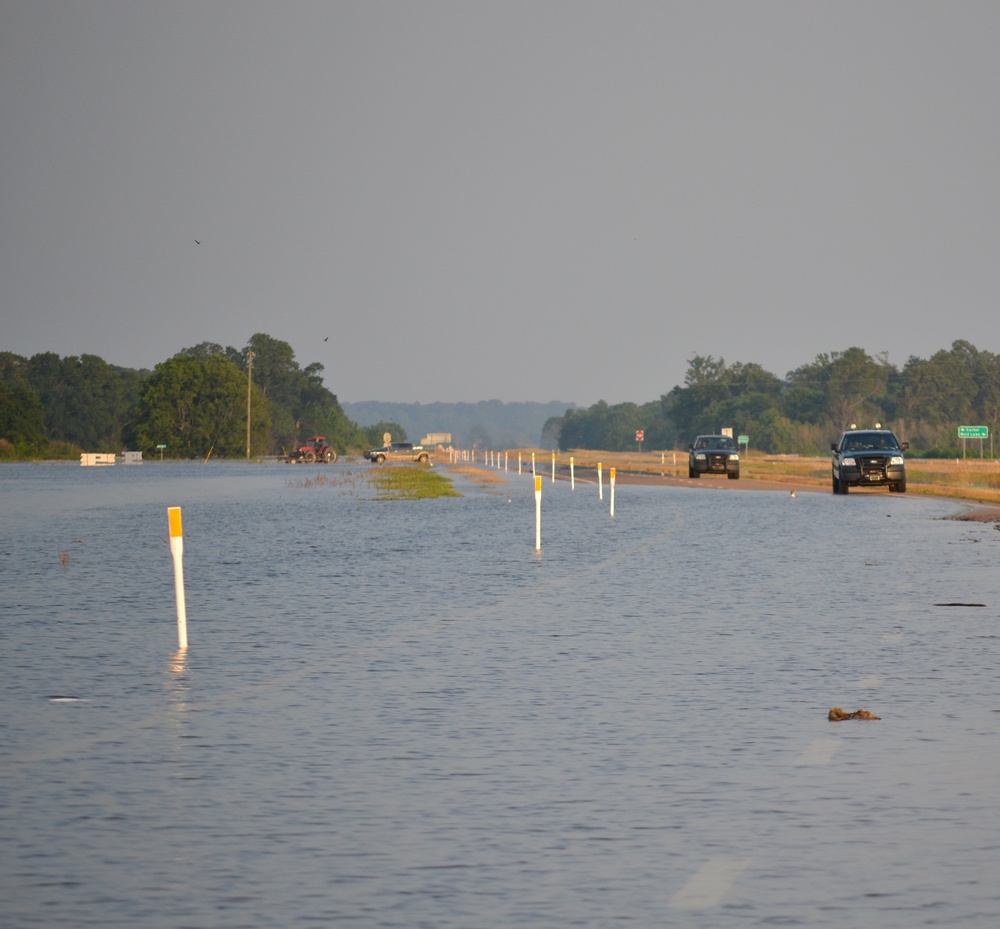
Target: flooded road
{"points": [[399, 714]]}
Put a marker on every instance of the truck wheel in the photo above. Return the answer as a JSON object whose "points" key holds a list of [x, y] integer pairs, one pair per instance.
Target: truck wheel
{"points": [[693, 474], [422, 459], [734, 475], [836, 486], [898, 488], [378, 459]]}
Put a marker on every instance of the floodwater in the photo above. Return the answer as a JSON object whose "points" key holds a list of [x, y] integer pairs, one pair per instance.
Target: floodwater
{"points": [[398, 714]]}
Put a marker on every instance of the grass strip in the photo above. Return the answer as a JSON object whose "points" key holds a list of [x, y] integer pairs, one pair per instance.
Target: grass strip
{"points": [[410, 483]]}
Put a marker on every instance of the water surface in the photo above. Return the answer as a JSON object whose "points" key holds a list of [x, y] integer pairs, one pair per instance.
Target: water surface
{"points": [[399, 714]]}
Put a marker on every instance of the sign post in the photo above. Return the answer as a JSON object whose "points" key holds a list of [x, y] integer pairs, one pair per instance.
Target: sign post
{"points": [[973, 432]]}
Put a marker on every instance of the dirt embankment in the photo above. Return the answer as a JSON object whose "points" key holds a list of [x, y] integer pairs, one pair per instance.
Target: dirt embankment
{"points": [[972, 510]]}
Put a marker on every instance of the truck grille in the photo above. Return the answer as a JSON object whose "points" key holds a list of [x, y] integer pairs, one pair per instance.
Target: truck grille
{"points": [[873, 468], [716, 462]]}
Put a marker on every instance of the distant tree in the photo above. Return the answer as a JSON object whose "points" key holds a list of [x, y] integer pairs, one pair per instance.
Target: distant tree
{"points": [[552, 431], [22, 417], [857, 387], [197, 407], [298, 403], [716, 396], [87, 401], [373, 434], [839, 388]]}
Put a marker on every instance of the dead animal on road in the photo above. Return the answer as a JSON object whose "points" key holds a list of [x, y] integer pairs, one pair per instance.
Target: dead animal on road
{"points": [[837, 715]]}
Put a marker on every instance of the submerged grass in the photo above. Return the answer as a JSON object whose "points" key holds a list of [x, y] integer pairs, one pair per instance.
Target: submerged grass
{"points": [[408, 482], [390, 482]]}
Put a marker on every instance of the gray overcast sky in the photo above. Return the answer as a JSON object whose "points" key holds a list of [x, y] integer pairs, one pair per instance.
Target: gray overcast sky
{"points": [[513, 200]]}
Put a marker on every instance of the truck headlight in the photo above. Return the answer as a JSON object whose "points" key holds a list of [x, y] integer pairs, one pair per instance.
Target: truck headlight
{"points": [[850, 462], [700, 456], [734, 457], [896, 460]]}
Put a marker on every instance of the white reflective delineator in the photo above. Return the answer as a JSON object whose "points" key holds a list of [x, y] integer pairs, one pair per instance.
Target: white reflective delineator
{"points": [[538, 513], [177, 552]]}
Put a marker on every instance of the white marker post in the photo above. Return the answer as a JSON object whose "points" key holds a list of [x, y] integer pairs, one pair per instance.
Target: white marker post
{"points": [[600, 482], [532, 464], [553, 467], [177, 551], [538, 513], [518, 462], [612, 491], [572, 474]]}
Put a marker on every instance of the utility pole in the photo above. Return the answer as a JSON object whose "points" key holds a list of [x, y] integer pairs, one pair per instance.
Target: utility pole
{"points": [[249, 382]]}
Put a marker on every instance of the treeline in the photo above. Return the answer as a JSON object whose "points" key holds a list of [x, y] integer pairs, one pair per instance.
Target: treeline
{"points": [[923, 403], [194, 403]]}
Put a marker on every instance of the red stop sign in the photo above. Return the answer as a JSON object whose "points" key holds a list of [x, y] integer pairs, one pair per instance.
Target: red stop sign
{"points": [[639, 435]]}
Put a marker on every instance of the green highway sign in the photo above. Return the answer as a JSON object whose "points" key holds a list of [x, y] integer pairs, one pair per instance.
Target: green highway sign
{"points": [[743, 439], [973, 432]]}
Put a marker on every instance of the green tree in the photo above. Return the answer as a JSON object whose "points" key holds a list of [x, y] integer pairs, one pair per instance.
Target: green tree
{"points": [[87, 402], [716, 395], [857, 387], [197, 407], [22, 417], [839, 388]]}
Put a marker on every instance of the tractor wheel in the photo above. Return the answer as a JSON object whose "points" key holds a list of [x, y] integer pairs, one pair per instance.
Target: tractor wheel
{"points": [[329, 456], [310, 457]]}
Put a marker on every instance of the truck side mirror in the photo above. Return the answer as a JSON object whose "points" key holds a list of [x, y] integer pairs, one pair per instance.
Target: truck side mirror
{"points": [[904, 445], [833, 446]]}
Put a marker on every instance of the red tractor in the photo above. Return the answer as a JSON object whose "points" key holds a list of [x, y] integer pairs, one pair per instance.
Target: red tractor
{"points": [[315, 448]]}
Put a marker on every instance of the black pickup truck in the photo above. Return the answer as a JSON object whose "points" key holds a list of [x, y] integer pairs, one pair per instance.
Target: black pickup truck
{"points": [[868, 458]]}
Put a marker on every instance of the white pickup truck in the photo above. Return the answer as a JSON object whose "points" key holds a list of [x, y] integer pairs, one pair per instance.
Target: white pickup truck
{"points": [[398, 451]]}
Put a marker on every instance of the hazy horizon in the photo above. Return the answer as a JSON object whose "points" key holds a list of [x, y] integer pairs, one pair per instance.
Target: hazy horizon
{"points": [[447, 202]]}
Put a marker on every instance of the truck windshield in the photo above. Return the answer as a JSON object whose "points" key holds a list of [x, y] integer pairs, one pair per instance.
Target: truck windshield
{"points": [[870, 441]]}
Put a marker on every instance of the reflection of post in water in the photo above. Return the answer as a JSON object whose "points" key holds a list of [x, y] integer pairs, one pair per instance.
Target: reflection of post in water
{"points": [[178, 662], [178, 685]]}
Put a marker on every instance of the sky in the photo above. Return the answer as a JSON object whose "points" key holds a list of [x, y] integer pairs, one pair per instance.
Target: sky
{"points": [[499, 199]]}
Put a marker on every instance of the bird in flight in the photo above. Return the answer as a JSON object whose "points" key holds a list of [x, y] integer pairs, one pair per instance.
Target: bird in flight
{"points": [[196, 242], [327, 339]]}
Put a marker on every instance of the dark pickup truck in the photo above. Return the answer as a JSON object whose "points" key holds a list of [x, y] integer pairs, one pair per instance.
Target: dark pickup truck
{"points": [[868, 458]]}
